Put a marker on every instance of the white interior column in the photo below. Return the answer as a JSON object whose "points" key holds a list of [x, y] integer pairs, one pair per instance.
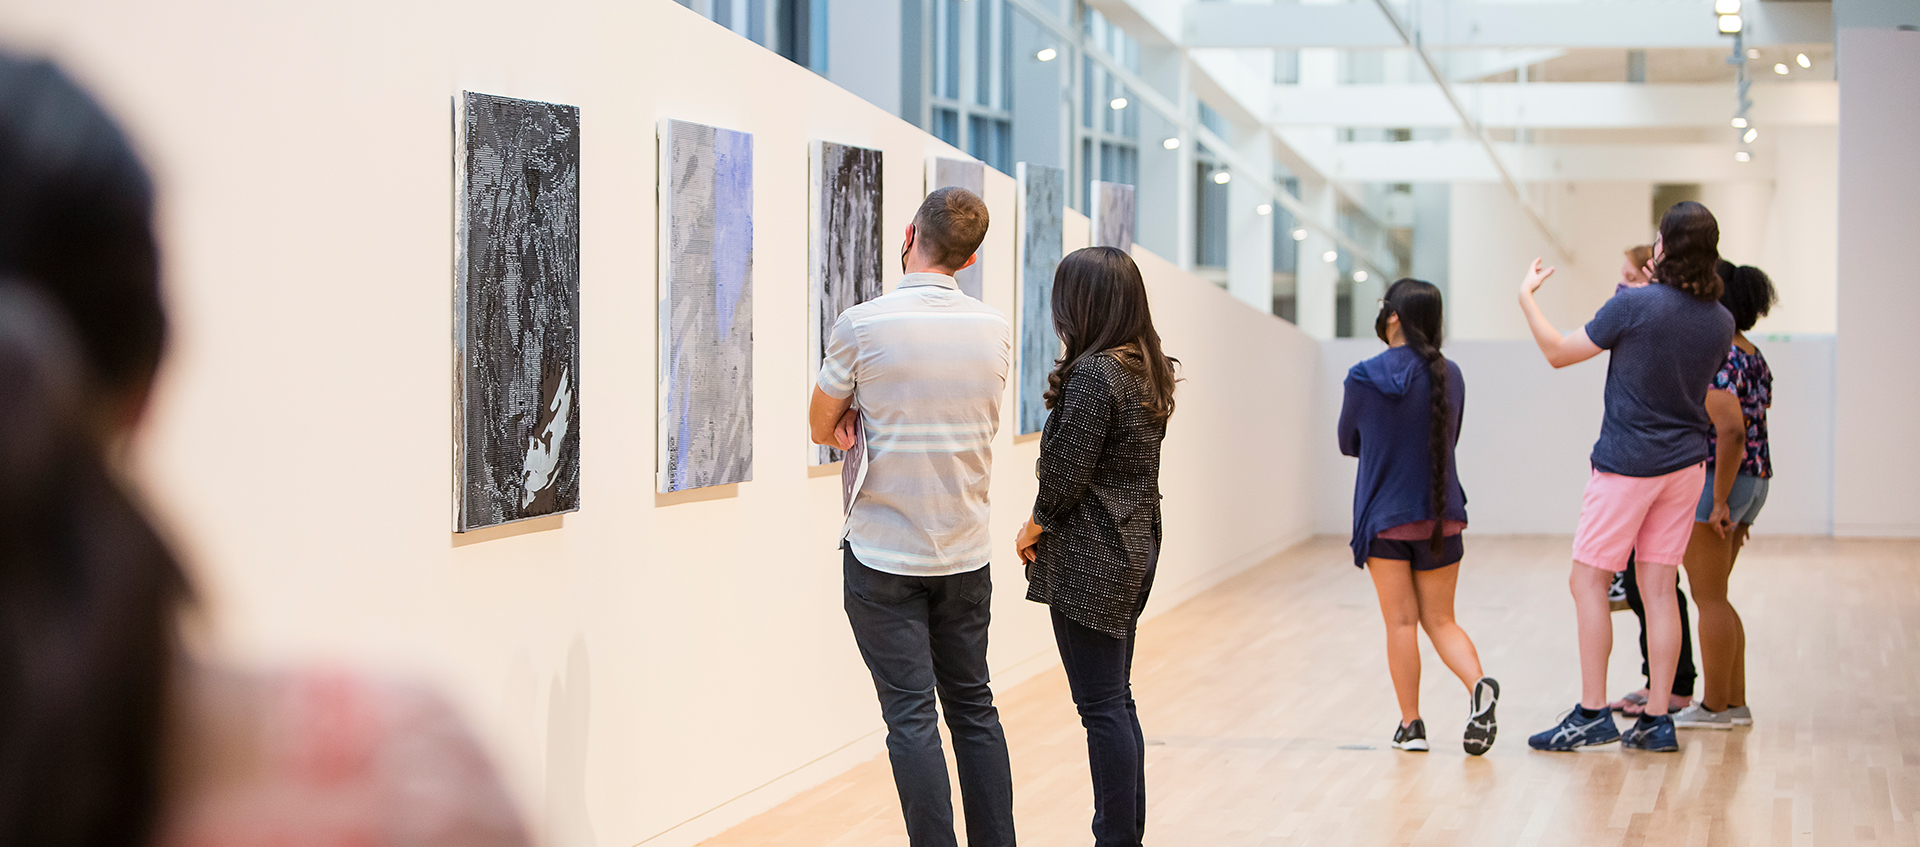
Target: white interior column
{"points": [[1249, 233], [1314, 288], [1875, 400]]}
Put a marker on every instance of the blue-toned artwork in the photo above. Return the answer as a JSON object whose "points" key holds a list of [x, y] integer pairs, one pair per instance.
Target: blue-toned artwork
{"points": [[706, 306], [1041, 194], [1112, 215], [516, 310], [972, 176]]}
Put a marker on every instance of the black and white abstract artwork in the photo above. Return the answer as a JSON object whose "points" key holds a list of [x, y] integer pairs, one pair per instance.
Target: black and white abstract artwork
{"points": [[516, 307], [844, 200], [706, 307], [1041, 194], [972, 176], [1112, 215]]}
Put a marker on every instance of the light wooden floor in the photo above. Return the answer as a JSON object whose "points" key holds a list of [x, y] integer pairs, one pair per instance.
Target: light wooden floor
{"points": [[1267, 708]]}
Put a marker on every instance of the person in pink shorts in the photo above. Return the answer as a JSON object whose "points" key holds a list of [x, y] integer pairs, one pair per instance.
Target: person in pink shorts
{"points": [[1667, 340]]}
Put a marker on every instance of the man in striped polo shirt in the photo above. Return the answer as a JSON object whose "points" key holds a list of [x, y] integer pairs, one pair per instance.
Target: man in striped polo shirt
{"points": [[921, 371]]}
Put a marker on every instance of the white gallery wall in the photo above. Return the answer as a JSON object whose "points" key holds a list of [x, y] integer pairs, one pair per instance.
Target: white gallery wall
{"points": [[1528, 430], [652, 666]]}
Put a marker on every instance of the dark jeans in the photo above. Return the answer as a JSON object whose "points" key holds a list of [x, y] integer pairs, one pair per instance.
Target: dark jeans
{"points": [[1099, 673], [922, 635], [1684, 673]]}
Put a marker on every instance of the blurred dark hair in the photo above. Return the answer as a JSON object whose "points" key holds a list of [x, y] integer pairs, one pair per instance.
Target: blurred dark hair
{"points": [[1100, 307], [1422, 323], [954, 222], [1749, 296], [1689, 251], [89, 596]]}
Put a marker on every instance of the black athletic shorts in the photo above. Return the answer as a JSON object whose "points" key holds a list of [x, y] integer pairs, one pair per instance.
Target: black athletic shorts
{"points": [[1420, 553]]}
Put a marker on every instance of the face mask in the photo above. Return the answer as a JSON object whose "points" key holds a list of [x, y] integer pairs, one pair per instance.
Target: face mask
{"points": [[905, 249]]}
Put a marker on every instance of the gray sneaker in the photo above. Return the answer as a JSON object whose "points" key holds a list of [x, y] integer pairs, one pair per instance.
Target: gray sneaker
{"points": [[1696, 716], [1741, 715]]}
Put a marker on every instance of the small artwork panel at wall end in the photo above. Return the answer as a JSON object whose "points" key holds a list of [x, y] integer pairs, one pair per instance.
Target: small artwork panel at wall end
{"points": [[972, 176], [1112, 215]]}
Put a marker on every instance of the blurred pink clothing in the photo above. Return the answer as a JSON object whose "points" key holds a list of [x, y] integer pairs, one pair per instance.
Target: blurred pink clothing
{"points": [[339, 760]]}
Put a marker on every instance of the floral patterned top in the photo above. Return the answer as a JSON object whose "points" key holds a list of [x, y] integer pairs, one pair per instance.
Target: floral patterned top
{"points": [[1746, 375]]}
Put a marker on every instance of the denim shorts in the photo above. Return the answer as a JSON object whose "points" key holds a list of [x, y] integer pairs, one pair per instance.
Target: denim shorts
{"points": [[1749, 494]]}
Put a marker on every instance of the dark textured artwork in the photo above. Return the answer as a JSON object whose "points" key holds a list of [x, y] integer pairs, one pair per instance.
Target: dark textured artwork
{"points": [[1112, 215], [972, 176], [706, 306], [516, 325], [844, 197], [1042, 214]]}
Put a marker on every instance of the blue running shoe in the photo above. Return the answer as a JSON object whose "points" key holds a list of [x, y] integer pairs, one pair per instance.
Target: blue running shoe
{"points": [[1654, 735], [1576, 731]]}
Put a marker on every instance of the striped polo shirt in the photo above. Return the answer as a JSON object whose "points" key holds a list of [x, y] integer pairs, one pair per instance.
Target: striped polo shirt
{"points": [[926, 366]]}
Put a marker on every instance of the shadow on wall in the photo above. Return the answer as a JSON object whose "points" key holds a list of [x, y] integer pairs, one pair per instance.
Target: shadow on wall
{"points": [[568, 710]]}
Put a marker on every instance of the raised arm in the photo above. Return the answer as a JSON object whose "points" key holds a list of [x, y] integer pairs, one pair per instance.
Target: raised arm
{"points": [[1561, 350]]}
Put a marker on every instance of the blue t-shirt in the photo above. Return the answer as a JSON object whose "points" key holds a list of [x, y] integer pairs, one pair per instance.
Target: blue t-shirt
{"points": [[1666, 348]]}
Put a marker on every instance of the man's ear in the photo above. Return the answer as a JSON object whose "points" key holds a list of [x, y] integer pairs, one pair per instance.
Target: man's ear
{"points": [[969, 263]]}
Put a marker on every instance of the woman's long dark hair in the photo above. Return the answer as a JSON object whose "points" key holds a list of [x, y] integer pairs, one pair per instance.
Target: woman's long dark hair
{"points": [[89, 596], [1422, 323], [1689, 251], [1100, 306]]}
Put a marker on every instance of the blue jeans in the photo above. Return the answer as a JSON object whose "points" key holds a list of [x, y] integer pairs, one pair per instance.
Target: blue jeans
{"points": [[1100, 675], [921, 636]]}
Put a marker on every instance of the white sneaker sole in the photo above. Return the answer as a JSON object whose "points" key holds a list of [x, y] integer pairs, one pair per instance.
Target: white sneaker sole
{"points": [[1418, 745]]}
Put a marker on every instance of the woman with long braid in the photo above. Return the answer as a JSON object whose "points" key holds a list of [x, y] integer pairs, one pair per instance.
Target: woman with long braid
{"points": [[1401, 418]]}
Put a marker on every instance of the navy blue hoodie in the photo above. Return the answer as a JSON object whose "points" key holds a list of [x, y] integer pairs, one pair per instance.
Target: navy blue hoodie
{"points": [[1384, 422]]}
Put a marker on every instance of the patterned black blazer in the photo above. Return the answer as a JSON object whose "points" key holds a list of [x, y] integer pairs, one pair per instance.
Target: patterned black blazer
{"points": [[1099, 498]]}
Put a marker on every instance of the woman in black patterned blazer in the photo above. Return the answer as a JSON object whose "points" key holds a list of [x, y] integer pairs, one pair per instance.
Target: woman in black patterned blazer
{"points": [[1094, 536]]}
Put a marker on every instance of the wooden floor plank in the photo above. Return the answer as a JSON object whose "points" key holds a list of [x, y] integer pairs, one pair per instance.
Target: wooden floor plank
{"points": [[1267, 708]]}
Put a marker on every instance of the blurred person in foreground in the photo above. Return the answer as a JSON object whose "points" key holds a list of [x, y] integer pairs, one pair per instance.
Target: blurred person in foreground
{"points": [[111, 734]]}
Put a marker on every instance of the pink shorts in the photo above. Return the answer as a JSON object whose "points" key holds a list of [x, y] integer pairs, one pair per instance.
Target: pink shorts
{"points": [[1653, 515]]}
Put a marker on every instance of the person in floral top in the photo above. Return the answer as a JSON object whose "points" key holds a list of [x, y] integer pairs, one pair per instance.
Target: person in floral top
{"points": [[1739, 469]]}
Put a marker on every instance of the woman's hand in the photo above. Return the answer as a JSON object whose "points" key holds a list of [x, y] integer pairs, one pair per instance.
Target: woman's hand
{"points": [[1536, 275], [1025, 540], [1721, 518]]}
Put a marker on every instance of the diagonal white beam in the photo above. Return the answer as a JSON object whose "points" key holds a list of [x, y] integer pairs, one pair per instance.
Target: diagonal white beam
{"points": [[1465, 161], [1555, 105], [1634, 24]]}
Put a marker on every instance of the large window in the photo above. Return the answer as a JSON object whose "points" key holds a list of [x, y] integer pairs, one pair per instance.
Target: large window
{"points": [[969, 97], [1109, 125]]}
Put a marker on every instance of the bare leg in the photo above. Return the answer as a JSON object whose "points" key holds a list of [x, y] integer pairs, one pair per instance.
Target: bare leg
{"points": [[1737, 684], [1400, 609], [1589, 587], [1657, 586], [1434, 590], [1709, 561]]}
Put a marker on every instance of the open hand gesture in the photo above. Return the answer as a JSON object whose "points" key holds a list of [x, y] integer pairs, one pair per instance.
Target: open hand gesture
{"points": [[1535, 276]]}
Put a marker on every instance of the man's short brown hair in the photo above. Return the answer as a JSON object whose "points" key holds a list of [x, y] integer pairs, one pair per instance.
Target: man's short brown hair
{"points": [[950, 225]]}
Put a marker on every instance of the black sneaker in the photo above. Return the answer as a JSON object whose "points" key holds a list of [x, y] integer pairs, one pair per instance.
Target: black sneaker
{"points": [[1412, 737], [1481, 727], [1652, 734]]}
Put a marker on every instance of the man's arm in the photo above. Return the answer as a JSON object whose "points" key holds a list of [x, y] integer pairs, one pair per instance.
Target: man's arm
{"points": [[831, 419], [1571, 349]]}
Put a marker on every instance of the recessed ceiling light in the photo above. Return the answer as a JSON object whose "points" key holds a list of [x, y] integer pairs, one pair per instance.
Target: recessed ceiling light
{"points": [[1171, 144], [1739, 123], [1330, 255], [1803, 60], [1726, 7], [1359, 276], [1118, 103], [1743, 156], [1299, 235], [1780, 68], [1222, 177], [1752, 134], [1047, 54], [1263, 209], [1729, 24], [1753, 52]]}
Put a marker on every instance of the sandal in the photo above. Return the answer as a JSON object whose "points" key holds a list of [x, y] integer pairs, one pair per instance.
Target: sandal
{"points": [[1633, 704]]}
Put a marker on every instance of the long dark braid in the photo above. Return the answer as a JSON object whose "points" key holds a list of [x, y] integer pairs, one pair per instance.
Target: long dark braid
{"points": [[1421, 324]]}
